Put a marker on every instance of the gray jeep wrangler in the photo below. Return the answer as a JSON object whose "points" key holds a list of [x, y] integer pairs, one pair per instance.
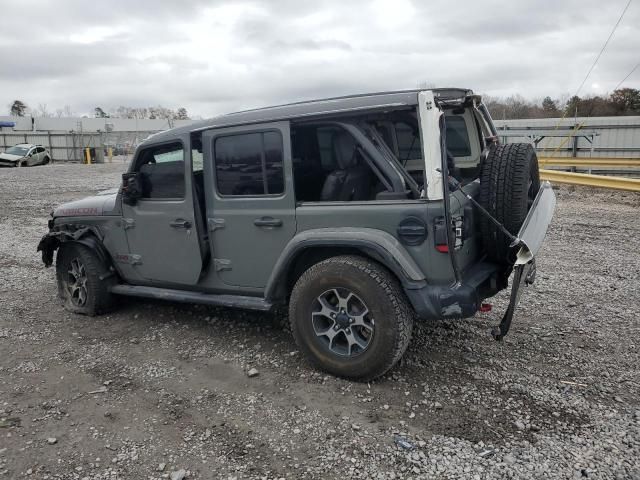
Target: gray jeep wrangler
{"points": [[361, 213]]}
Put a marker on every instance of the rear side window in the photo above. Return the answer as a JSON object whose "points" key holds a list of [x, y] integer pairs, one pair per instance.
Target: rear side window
{"points": [[458, 137], [161, 170], [249, 164], [409, 146], [325, 146]]}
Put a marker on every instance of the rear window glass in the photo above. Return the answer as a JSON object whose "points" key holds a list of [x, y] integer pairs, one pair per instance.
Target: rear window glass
{"points": [[325, 146], [250, 164], [457, 136], [409, 146]]}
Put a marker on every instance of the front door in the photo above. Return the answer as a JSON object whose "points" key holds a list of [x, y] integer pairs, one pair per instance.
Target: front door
{"points": [[33, 157], [161, 227], [251, 214]]}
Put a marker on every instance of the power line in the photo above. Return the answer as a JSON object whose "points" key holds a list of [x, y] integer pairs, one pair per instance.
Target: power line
{"points": [[625, 78], [603, 47]]}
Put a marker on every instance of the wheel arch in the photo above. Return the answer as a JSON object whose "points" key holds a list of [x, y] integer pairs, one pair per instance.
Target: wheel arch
{"points": [[89, 236], [313, 246]]}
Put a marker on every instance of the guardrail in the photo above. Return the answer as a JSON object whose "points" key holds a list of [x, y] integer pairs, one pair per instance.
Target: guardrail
{"points": [[588, 162], [602, 181]]}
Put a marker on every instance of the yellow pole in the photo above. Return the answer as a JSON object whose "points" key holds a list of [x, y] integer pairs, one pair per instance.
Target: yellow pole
{"points": [[87, 153], [110, 154]]}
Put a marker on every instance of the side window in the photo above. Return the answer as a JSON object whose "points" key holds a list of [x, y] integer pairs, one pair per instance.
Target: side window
{"points": [[409, 146], [161, 171], [457, 136], [325, 146], [249, 164], [40, 150]]}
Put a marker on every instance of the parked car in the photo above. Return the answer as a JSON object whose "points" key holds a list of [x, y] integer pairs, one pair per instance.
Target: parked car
{"points": [[25, 155], [360, 213]]}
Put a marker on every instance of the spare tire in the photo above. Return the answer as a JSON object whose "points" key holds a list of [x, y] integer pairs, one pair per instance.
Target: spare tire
{"points": [[509, 182]]}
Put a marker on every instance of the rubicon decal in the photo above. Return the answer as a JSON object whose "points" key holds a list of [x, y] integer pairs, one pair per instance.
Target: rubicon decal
{"points": [[79, 211]]}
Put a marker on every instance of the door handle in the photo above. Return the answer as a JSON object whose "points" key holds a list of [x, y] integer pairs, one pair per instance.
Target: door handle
{"points": [[180, 223], [267, 222]]}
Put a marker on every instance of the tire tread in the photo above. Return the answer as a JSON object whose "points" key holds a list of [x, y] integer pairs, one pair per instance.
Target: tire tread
{"points": [[393, 293]]}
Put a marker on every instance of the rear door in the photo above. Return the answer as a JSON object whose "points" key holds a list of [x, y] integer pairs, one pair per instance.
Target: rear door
{"points": [[161, 228], [251, 214]]}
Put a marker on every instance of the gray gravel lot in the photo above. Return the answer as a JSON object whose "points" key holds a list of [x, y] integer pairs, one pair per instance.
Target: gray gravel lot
{"points": [[155, 388]]}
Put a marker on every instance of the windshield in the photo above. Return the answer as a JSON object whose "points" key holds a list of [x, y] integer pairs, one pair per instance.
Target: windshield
{"points": [[17, 150]]}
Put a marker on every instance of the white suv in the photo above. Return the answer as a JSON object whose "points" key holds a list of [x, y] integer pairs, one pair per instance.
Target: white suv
{"points": [[25, 155]]}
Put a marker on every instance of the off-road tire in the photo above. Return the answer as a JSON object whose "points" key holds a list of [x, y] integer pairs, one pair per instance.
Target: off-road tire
{"points": [[509, 181], [384, 298], [98, 279]]}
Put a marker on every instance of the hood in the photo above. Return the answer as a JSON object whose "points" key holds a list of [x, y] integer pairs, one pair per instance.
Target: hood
{"points": [[102, 203], [8, 156]]}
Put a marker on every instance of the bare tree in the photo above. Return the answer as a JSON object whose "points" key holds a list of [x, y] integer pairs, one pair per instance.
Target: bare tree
{"points": [[42, 111], [425, 85]]}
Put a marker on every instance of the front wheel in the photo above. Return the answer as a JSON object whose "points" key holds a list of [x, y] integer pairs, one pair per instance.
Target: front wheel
{"points": [[350, 317], [83, 280]]}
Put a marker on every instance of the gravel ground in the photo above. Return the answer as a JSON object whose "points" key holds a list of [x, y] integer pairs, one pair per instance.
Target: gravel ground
{"points": [[160, 390]]}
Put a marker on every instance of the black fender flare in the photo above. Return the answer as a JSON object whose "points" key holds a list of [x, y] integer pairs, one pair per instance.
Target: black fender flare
{"points": [[87, 236], [377, 244]]}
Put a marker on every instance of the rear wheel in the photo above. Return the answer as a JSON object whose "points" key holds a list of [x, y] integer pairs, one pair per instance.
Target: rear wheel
{"points": [[46, 161], [509, 182], [350, 317], [83, 280]]}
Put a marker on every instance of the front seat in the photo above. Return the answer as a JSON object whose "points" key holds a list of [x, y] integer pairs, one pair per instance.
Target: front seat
{"points": [[352, 179]]}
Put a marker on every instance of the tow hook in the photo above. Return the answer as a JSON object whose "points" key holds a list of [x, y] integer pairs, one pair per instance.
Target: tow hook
{"points": [[522, 274]]}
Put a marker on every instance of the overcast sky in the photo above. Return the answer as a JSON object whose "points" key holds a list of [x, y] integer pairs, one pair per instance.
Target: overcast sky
{"points": [[214, 56]]}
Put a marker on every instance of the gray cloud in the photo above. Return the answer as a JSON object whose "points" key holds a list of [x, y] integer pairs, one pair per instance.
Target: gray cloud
{"points": [[216, 56]]}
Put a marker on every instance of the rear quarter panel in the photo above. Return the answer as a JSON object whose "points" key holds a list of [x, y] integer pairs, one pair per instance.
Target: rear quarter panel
{"points": [[385, 216]]}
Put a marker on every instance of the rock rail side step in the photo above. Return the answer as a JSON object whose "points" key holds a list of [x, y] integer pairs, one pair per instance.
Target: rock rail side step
{"points": [[249, 303]]}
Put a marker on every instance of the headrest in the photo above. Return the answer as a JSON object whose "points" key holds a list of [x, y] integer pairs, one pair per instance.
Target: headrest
{"points": [[344, 148]]}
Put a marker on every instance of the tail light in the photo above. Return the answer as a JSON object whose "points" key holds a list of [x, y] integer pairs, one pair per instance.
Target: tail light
{"points": [[456, 230]]}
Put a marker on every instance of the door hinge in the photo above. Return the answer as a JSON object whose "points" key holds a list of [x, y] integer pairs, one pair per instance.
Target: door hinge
{"points": [[221, 264], [128, 223], [215, 224]]}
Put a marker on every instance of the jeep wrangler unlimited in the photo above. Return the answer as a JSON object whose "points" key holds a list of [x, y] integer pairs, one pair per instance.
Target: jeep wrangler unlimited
{"points": [[359, 212]]}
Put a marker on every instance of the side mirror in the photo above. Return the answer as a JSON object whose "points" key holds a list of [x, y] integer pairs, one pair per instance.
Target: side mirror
{"points": [[131, 188]]}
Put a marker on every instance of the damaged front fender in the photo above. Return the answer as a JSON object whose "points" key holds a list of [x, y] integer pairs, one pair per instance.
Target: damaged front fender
{"points": [[85, 235]]}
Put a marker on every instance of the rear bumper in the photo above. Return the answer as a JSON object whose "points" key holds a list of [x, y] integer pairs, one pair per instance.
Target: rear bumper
{"points": [[486, 279], [432, 302]]}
